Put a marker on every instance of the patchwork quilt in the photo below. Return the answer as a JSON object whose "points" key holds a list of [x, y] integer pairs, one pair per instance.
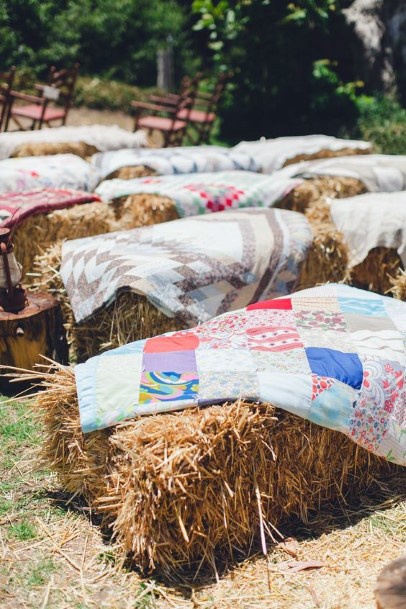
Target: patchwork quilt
{"points": [[101, 137], [205, 192], [334, 355], [54, 171], [177, 160], [271, 155], [194, 268], [379, 172], [371, 220], [18, 206]]}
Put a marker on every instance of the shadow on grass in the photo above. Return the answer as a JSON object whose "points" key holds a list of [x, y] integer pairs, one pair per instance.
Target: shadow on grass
{"points": [[381, 495]]}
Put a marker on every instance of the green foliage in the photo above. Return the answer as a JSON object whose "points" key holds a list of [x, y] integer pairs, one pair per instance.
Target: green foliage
{"points": [[23, 531], [287, 78], [113, 38], [383, 122], [103, 94]]}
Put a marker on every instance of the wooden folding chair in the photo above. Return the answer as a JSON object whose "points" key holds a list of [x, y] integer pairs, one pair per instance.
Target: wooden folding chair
{"points": [[59, 88], [166, 116], [6, 83]]}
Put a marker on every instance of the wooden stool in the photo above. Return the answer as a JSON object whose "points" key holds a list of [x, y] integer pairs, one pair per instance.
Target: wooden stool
{"points": [[390, 591], [34, 331]]}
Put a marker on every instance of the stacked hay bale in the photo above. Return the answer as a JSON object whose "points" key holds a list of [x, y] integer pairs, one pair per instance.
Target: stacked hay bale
{"points": [[37, 233], [190, 491], [50, 148], [377, 271], [131, 317]]}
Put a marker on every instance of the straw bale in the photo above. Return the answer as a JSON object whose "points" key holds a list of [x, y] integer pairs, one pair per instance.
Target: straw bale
{"points": [[37, 233], [376, 272], [399, 285], [48, 148], [131, 172], [132, 317], [193, 490], [327, 154], [313, 189], [144, 209]]}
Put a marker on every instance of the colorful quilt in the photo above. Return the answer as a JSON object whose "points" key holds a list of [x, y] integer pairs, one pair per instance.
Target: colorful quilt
{"points": [[271, 155], [379, 172], [54, 171], [178, 160], [205, 192], [101, 137], [18, 206], [371, 220], [334, 355], [195, 268]]}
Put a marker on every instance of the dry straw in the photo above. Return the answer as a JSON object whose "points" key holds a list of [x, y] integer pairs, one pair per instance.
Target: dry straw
{"points": [[190, 491], [48, 148], [315, 189], [377, 271], [34, 235], [399, 285], [325, 153], [131, 317]]}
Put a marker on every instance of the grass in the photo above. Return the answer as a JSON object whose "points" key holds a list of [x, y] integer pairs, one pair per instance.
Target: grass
{"points": [[53, 557]]}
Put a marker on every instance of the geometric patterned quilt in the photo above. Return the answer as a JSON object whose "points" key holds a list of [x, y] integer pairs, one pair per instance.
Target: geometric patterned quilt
{"points": [[175, 160], [18, 206], [333, 355], [194, 268], [205, 192], [53, 171]]}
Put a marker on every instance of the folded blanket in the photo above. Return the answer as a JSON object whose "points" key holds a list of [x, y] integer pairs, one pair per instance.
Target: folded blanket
{"points": [[333, 355], [193, 268], [182, 159], [271, 155], [205, 192], [371, 220], [18, 206], [100, 136], [379, 172], [58, 171]]}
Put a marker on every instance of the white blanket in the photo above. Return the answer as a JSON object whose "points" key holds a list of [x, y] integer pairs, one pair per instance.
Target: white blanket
{"points": [[100, 136], [371, 220], [53, 171], [379, 172], [271, 155]]}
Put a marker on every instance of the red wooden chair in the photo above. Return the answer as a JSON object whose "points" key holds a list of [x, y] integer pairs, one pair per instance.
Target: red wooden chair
{"points": [[6, 83], [203, 114], [166, 116], [60, 87]]}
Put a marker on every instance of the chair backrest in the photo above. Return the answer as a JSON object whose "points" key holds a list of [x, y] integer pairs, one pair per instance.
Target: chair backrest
{"points": [[64, 81], [6, 83], [184, 106], [211, 101]]}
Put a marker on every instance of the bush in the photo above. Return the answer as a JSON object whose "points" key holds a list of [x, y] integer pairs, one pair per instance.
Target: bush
{"points": [[382, 121]]}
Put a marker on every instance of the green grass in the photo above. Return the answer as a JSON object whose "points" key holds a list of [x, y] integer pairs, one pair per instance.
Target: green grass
{"points": [[22, 531]]}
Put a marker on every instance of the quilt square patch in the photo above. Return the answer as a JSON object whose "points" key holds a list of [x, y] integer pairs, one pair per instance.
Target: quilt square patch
{"points": [[371, 323], [385, 344], [176, 341], [309, 303], [345, 367], [176, 361], [168, 387], [221, 386], [320, 320], [276, 338], [292, 362], [329, 339], [359, 306], [280, 303], [237, 360]]}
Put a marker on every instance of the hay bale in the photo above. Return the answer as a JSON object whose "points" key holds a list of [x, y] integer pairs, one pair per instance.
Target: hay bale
{"points": [[376, 272], [131, 172], [132, 317], [325, 153], [399, 285], [314, 189], [48, 148], [144, 209], [38, 232], [195, 489]]}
